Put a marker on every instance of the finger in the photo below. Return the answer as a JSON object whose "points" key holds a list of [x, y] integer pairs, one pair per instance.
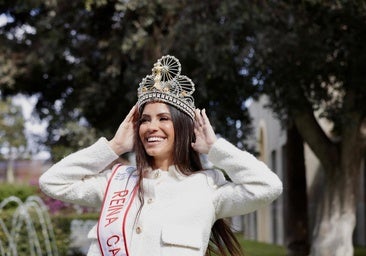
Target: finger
{"points": [[199, 117], [197, 114], [195, 132], [130, 114], [132, 111], [204, 117]]}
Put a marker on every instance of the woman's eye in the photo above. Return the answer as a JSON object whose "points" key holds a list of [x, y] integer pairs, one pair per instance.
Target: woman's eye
{"points": [[143, 120], [164, 118]]}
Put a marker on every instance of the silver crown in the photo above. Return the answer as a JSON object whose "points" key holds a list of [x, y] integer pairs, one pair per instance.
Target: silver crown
{"points": [[167, 85]]}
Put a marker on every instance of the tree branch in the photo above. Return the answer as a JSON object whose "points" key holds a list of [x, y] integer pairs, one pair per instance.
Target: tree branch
{"points": [[315, 137]]}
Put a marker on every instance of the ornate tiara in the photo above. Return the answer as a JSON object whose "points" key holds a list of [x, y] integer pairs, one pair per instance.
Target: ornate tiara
{"points": [[167, 85]]}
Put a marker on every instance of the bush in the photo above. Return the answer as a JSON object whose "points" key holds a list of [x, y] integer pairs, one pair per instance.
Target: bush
{"points": [[61, 226], [29, 232], [60, 221], [20, 191], [61, 230]]}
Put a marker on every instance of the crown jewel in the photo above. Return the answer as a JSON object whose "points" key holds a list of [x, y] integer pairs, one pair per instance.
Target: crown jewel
{"points": [[167, 85]]}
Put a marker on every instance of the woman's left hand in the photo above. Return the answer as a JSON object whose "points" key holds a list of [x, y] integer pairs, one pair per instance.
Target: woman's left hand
{"points": [[205, 135], [122, 142]]}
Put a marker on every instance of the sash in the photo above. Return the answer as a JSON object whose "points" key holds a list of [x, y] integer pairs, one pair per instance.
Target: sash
{"points": [[119, 195]]}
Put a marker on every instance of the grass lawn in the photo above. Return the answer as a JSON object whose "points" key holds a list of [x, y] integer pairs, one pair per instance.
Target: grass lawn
{"points": [[253, 248]]}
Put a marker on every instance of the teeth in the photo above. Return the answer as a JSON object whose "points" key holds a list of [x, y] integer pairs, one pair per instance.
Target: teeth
{"points": [[154, 139]]}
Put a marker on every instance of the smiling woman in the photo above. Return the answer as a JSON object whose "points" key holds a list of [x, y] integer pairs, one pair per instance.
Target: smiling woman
{"points": [[156, 131], [167, 204]]}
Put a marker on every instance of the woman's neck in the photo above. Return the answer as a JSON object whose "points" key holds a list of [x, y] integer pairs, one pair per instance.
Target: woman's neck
{"points": [[162, 164]]}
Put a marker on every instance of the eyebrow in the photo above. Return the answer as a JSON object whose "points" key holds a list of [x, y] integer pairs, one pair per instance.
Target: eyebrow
{"points": [[159, 114]]}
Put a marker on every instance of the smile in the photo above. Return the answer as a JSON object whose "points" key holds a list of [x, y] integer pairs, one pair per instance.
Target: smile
{"points": [[155, 139]]}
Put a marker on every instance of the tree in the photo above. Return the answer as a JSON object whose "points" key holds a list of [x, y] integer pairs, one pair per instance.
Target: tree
{"points": [[295, 195], [13, 142], [309, 58], [87, 62]]}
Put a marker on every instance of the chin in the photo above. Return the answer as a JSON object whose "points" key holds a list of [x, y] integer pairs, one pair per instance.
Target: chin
{"points": [[153, 153]]}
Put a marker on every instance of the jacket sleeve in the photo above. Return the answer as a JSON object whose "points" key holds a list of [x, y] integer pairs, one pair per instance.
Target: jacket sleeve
{"points": [[78, 178], [252, 184]]}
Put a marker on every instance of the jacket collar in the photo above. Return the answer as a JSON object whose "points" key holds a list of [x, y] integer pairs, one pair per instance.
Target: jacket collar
{"points": [[172, 171]]}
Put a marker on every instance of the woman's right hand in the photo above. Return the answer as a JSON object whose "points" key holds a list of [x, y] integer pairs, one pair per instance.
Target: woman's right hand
{"points": [[122, 142]]}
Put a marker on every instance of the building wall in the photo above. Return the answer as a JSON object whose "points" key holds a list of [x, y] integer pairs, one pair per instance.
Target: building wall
{"points": [[270, 140]]}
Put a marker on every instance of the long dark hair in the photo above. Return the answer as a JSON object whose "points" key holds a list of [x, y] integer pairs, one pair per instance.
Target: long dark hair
{"points": [[222, 240]]}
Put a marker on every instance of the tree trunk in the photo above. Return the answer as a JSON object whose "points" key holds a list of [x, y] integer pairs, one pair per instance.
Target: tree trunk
{"points": [[336, 215], [295, 196], [10, 170]]}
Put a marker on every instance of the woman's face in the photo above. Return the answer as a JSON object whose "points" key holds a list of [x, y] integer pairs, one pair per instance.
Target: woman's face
{"points": [[156, 131]]}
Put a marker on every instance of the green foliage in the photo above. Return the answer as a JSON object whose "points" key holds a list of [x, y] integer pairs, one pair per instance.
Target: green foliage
{"points": [[60, 222], [254, 248], [360, 251], [311, 54], [20, 191], [72, 136], [308, 56], [86, 58], [61, 229], [61, 225], [7, 71], [12, 126], [23, 240]]}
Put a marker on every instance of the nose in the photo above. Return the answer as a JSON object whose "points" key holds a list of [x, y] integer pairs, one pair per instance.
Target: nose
{"points": [[153, 125]]}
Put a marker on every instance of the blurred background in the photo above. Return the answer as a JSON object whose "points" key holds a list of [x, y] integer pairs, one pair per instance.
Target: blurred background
{"points": [[285, 80]]}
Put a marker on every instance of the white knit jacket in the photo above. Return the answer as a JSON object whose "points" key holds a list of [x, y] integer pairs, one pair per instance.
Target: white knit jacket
{"points": [[179, 210]]}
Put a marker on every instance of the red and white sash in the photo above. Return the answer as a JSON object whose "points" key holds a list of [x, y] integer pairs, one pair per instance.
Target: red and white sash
{"points": [[119, 195]]}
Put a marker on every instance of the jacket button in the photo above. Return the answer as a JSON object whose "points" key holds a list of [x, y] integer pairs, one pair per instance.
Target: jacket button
{"points": [[150, 200], [138, 230]]}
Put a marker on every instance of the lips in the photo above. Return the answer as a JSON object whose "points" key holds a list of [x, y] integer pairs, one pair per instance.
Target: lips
{"points": [[155, 139]]}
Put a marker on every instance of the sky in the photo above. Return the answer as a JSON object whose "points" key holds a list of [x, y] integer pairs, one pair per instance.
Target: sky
{"points": [[3, 20], [33, 125]]}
